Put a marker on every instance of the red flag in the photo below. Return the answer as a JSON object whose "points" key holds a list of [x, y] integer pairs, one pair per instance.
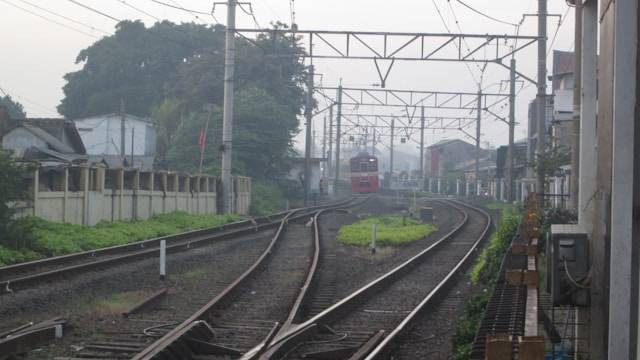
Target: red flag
{"points": [[202, 139]]}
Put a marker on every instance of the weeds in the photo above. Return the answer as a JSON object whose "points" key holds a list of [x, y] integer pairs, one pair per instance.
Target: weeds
{"points": [[390, 230]]}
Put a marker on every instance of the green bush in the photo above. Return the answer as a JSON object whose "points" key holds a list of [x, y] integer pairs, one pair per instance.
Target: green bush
{"points": [[37, 238], [266, 199], [484, 272], [486, 269], [390, 230]]}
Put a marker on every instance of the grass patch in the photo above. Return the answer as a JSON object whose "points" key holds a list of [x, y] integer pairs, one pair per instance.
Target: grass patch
{"points": [[391, 230], [116, 304], [34, 238]]}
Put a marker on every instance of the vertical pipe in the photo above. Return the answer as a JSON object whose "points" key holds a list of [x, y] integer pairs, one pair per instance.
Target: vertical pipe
{"points": [[575, 124], [324, 146], [330, 153], [227, 116]]}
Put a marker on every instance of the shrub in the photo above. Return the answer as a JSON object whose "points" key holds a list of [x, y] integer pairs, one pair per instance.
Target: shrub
{"points": [[40, 238], [390, 230]]}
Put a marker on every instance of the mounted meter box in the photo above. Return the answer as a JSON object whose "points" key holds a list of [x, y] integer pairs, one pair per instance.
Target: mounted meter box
{"points": [[568, 265]]}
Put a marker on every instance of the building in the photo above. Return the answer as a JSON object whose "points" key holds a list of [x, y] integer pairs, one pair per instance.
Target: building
{"points": [[102, 136], [563, 83], [47, 140]]}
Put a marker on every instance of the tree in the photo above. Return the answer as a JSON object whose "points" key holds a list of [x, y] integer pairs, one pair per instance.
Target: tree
{"points": [[11, 190], [552, 160], [16, 110]]}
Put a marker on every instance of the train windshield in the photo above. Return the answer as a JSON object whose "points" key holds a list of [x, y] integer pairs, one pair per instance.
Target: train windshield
{"points": [[364, 165]]}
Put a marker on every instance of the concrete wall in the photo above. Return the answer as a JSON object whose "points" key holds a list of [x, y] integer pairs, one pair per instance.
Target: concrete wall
{"points": [[87, 196]]}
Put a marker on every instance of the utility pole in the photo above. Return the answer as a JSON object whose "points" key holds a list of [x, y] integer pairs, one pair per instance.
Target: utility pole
{"points": [[122, 132], [227, 116], [373, 143], [575, 124], [478, 119], [512, 126], [422, 147], [366, 138], [336, 164], [330, 154], [133, 134], [393, 124], [324, 145], [541, 97], [307, 147]]}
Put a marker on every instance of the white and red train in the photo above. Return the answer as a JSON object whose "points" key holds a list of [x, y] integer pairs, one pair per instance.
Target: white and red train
{"points": [[364, 173]]}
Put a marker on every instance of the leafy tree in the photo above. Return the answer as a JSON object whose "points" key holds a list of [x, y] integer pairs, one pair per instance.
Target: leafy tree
{"points": [[552, 160], [16, 110], [11, 190]]}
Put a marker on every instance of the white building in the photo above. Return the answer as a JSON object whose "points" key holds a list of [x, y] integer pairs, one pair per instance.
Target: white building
{"points": [[102, 138]]}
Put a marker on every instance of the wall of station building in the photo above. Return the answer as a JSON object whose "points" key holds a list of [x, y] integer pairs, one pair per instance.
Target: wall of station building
{"points": [[87, 196]]}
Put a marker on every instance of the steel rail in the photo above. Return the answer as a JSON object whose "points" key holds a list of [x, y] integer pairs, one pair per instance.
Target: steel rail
{"points": [[390, 341], [285, 342], [164, 344]]}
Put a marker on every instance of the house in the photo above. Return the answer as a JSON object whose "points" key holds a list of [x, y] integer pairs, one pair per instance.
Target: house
{"points": [[562, 91], [103, 138], [447, 155], [47, 140], [296, 172]]}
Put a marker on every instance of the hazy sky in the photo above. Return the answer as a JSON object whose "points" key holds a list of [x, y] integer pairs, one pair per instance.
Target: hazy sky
{"points": [[36, 53]]}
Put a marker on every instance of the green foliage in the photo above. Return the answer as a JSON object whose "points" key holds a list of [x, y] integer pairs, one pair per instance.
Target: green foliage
{"points": [[11, 190], [467, 326], [40, 238], [484, 272], [486, 269], [390, 230], [552, 160], [170, 72], [15, 109], [266, 199]]}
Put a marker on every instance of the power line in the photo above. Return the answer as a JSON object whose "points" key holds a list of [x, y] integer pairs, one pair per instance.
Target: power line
{"points": [[484, 14], [95, 10], [65, 17], [195, 13], [48, 19], [444, 22], [139, 10], [250, 13], [555, 34]]}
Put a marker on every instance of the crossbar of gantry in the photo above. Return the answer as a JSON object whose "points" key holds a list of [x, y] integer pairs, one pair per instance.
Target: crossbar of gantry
{"points": [[404, 46]]}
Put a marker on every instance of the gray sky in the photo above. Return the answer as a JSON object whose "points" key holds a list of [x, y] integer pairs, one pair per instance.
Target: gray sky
{"points": [[37, 53]]}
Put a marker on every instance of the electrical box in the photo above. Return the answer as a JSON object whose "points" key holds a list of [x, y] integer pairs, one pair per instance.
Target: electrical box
{"points": [[568, 265]]}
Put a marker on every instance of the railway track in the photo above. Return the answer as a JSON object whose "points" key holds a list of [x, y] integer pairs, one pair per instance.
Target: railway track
{"points": [[369, 322], [25, 275], [258, 305]]}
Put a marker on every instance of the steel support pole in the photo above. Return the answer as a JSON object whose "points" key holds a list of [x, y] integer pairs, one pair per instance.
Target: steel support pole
{"points": [[541, 97], [330, 152], [393, 124], [324, 146], [338, 130], [575, 125], [512, 126], [478, 120], [307, 147], [422, 147], [227, 116]]}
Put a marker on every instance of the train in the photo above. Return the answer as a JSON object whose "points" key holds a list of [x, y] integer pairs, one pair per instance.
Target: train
{"points": [[364, 173]]}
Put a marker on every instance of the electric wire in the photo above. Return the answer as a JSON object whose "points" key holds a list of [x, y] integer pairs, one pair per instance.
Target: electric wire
{"points": [[484, 14], [178, 7], [444, 22], [555, 34], [65, 17], [139, 10], [95, 10], [48, 19]]}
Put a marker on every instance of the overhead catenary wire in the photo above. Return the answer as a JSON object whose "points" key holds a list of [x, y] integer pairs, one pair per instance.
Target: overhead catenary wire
{"points": [[484, 14], [444, 22], [139, 10], [49, 19], [95, 10], [64, 17]]}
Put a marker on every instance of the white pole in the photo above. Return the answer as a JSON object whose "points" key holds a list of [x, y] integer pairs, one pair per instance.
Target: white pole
{"points": [[163, 259], [373, 238]]}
